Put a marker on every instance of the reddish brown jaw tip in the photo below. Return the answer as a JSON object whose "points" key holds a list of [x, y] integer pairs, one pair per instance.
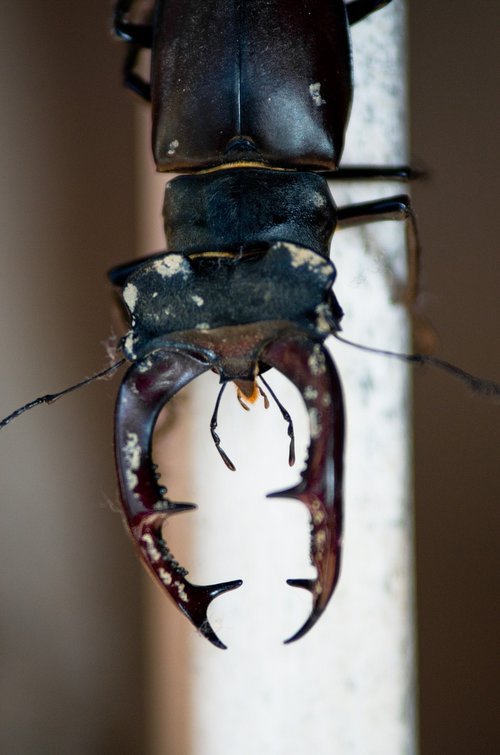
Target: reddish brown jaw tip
{"points": [[145, 389], [309, 366]]}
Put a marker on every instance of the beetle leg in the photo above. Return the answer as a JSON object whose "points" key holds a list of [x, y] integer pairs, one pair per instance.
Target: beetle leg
{"points": [[309, 366], [399, 208], [145, 389], [140, 34], [390, 208], [357, 10]]}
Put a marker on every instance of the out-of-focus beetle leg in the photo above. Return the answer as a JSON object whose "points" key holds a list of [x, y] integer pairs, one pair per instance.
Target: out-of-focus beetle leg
{"points": [[310, 368], [145, 389]]}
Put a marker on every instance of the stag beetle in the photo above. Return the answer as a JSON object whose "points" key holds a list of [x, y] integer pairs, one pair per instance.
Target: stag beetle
{"points": [[255, 122]]}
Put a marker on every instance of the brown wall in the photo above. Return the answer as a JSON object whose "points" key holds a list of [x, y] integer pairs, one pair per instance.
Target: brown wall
{"points": [[70, 603], [455, 132]]}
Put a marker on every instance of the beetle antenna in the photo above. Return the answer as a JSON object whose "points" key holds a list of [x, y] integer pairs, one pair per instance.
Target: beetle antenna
{"points": [[286, 416], [213, 424], [480, 386], [49, 398]]}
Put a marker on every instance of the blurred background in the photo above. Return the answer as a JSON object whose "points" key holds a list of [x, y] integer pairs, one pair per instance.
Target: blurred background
{"points": [[73, 668], [454, 132]]}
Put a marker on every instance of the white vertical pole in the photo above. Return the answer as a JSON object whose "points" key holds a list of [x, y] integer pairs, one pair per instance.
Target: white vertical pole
{"points": [[348, 686]]}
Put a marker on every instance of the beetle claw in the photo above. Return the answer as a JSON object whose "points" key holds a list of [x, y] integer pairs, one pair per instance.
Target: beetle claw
{"points": [[178, 508], [147, 386], [287, 493], [309, 366], [312, 586], [192, 600]]}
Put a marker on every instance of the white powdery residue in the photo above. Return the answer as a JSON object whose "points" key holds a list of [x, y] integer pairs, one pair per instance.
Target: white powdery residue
{"points": [[322, 322], [172, 264], [198, 300], [128, 344], [300, 256], [203, 326], [132, 455], [130, 294], [181, 591], [165, 577], [316, 361], [310, 393], [132, 451], [152, 551], [145, 365], [174, 144], [315, 424], [318, 199], [132, 480], [317, 512], [320, 542], [326, 400], [315, 92]]}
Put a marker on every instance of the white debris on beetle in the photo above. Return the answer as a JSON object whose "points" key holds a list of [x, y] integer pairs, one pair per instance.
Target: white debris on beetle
{"points": [[130, 295], [198, 300], [132, 480], [152, 551], [128, 344], [317, 513], [318, 518], [170, 265], [145, 365], [132, 454], [310, 393], [315, 92], [132, 451], [174, 144], [203, 326], [319, 199], [165, 577], [323, 324], [181, 591], [320, 542], [315, 424], [316, 361], [300, 256]]}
